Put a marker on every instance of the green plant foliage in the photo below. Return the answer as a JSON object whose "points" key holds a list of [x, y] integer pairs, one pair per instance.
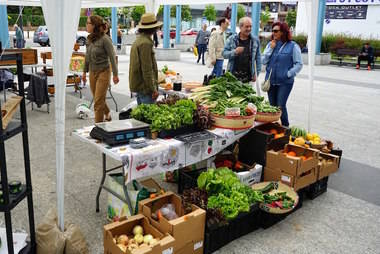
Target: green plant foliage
{"points": [[210, 13]]}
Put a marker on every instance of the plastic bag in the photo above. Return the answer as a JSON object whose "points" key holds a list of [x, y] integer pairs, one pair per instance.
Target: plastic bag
{"points": [[195, 51], [168, 211]]}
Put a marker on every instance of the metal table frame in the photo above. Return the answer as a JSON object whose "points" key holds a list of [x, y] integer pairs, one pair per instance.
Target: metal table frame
{"points": [[102, 186]]}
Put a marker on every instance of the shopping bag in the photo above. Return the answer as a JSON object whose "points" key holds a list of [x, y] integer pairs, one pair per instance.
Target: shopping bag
{"points": [[195, 51], [75, 241], [50, 239]]}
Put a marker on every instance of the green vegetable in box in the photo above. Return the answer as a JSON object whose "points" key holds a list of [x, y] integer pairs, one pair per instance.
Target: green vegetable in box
{"points": [[165, 117], [227, 193]]}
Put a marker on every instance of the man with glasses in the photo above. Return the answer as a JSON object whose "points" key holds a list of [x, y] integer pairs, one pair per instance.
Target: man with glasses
{"points": [[243, 53]]}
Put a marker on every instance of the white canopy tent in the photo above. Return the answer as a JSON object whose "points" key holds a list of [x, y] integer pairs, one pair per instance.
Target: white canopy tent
{"points": [[62, 18]]}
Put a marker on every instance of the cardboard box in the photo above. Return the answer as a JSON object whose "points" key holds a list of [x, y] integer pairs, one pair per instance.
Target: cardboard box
{"points": [[187, 230], [295, 166], [297, 182], [125, 226], [327, 165], [252, 176]]}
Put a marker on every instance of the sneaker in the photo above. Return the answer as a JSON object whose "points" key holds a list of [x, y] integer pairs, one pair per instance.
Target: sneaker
{"points": [[357, 66], [369, 68]]}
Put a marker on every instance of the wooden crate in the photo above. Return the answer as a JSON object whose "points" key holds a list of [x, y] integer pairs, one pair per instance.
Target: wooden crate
{"points": [[8, 109], [29, 56]]}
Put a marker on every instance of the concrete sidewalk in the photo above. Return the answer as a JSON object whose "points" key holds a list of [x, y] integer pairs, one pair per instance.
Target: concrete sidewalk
{"points": [[333, 223]]}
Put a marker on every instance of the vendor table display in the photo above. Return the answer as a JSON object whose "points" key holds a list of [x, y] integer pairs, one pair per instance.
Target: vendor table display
{"points": [[160, 155]]}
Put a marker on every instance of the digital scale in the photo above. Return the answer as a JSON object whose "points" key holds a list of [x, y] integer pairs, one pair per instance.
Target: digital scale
{"points": [[120, 132]]}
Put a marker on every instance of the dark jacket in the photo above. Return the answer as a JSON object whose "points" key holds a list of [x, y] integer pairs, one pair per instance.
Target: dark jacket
{"points": [[229, 53], [143, 73], [368, 51]]}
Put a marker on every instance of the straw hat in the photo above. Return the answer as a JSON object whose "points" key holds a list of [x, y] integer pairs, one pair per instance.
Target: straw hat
{"points": [[148, 20]]}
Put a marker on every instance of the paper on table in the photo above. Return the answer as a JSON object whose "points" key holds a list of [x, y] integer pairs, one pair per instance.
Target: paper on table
{"points": [[19, 241]]}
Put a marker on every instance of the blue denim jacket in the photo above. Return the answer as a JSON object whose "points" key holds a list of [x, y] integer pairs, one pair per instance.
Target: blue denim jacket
{"points": [[229, 53], [285, 64]]}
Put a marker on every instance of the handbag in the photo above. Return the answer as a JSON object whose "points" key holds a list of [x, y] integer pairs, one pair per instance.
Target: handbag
{"points": [[265, 86]]}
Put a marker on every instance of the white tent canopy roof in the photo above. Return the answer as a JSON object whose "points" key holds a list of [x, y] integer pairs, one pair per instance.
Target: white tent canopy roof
{"points": [[62, 17]]}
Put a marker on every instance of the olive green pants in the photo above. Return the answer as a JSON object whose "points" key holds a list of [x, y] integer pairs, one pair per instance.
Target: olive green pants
{"points": [[99, 82]]}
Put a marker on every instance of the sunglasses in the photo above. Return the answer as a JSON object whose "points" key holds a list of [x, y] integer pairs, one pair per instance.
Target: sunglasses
{"points": [[275, 31]]}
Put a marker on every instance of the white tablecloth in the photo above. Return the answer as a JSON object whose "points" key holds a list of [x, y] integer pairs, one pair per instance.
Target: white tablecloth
{"points": [[162, 155]]}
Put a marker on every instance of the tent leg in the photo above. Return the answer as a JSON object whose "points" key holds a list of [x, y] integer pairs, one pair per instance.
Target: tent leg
{"points": [[102, 181]]}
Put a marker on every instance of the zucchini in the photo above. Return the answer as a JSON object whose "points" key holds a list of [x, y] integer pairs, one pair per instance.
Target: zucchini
{"points": [[267, 188]]}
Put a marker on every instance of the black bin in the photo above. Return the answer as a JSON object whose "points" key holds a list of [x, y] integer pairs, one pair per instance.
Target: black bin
{"points": [[254, 146]]}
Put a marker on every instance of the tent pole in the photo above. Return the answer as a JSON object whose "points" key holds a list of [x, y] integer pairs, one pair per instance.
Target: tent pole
{"points": [[178, 25], [166, 26], [233, 17], [4, 33], [321, 19], [114, 25]]}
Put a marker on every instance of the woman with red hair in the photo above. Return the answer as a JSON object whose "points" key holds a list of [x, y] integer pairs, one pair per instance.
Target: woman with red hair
{"points": [[283, 61]]}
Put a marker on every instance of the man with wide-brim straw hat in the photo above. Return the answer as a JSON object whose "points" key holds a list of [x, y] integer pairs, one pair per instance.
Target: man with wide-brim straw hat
{"points": [[143, 72]]}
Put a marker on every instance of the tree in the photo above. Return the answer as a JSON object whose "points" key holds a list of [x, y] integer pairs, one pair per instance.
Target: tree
{"points": [[291, 18], [210, 13], [265, 16], [137, 12], [185, 12], [240, 11], [102, 12]]}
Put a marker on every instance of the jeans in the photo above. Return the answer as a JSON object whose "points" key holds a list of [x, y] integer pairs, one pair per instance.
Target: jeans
{"points": [[369, 59], [99, 83], [144, 99], [218, 68], [278, 96], [201, 52], [20, 43]]}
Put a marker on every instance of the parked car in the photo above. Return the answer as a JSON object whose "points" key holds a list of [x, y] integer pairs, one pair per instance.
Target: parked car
{"points": [[191, 31], [81, 37], [172, 34], [41, 36]]}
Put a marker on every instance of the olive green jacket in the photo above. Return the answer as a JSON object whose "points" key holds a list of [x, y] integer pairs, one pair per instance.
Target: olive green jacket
{"points": [[99, 54], [143, 73]]}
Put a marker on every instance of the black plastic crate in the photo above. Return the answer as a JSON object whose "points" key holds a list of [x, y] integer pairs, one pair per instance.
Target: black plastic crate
{"points": [[179, 131], [244, 223], [188, 179], [318, 188], [254, 146]]}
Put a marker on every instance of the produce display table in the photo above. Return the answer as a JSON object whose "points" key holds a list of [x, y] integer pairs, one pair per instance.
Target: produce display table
{"points": [[159, 156]]}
